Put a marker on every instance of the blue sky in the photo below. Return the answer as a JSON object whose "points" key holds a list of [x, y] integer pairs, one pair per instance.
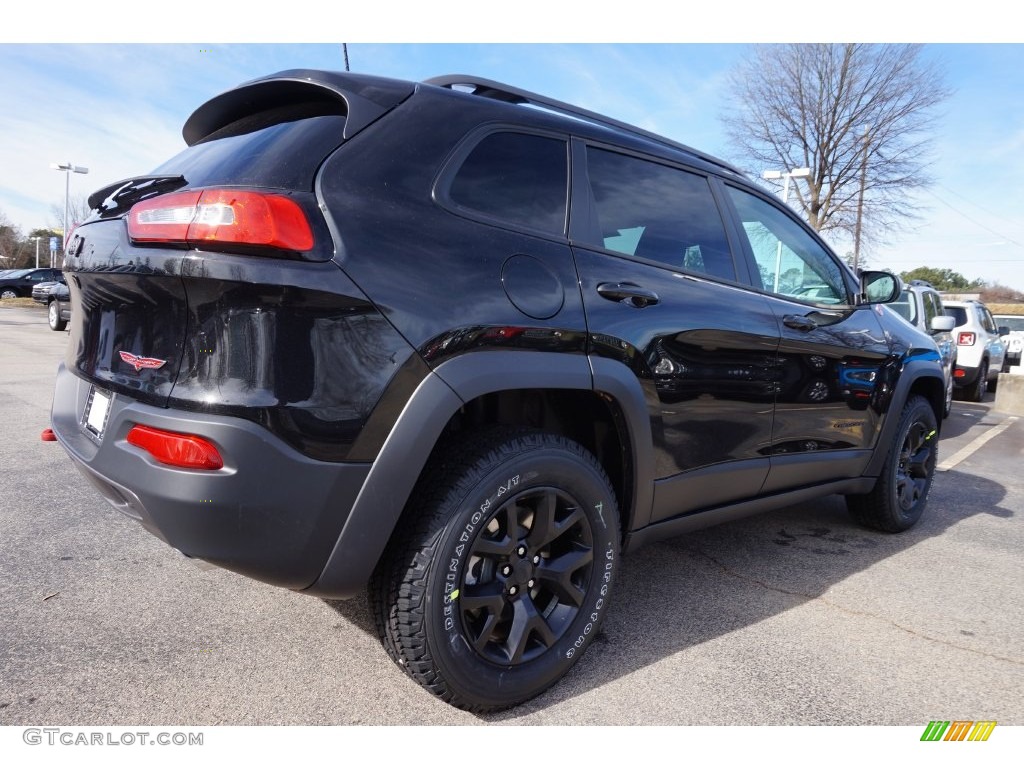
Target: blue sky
{"points": [[118, 110]]}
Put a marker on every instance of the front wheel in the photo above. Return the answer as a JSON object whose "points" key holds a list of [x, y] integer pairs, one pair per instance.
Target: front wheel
{"points": [[501, 572], [901, 492]]}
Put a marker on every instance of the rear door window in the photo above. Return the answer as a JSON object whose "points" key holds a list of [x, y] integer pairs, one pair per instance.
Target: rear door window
{"points": [[658, 213]]}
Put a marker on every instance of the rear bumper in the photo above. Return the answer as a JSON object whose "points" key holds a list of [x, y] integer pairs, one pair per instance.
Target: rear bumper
{"points": [[965, 375], [270, 513]]}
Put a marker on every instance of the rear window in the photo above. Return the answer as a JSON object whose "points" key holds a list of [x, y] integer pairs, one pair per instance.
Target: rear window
{"points": [[959, 314], [281, 147]]}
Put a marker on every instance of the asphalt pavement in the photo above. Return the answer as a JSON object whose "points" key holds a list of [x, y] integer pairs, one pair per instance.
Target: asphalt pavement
{"points": [[795, 617]]}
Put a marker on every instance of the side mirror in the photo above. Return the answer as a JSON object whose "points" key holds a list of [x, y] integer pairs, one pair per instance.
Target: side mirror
{"points": [[943, 323], [1004, 330], [878, 287]]}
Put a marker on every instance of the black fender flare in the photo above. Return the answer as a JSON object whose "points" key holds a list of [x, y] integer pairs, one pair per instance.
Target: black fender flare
{"points": [[915, 369], [405, 452]]}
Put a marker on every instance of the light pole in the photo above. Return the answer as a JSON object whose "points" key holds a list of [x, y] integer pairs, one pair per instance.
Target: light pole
{"points": [[68, 169], [37, 251], [795, 173]]}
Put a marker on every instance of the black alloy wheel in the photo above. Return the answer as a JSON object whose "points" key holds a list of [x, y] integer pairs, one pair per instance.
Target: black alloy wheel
{"points": [[900, 494], [501, 570], [526, 577]]}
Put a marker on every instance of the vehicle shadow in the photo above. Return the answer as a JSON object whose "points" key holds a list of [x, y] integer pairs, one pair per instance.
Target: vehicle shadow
{"points": [[680, 593]]}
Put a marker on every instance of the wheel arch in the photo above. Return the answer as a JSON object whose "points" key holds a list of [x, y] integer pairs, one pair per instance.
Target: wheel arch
{"points": [[596, 402], [918, 377]]}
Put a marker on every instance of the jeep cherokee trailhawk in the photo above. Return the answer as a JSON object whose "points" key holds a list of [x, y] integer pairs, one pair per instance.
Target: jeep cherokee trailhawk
{"points": [[463, 346]]}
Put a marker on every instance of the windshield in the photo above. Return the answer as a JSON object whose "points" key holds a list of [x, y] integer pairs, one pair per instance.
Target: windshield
{"points": [[16, 273], [905, 306]]}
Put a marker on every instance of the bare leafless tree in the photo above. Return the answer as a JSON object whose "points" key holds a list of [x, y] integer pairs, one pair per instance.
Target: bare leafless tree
{"points": [[78, 211], [854, 114]]}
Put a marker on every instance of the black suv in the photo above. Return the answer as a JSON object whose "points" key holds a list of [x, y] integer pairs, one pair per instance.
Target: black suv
{"points": [[464, 346]]}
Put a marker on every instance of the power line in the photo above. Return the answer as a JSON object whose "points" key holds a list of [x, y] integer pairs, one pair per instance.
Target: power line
{"points": [[974, 221], [979, 207]]}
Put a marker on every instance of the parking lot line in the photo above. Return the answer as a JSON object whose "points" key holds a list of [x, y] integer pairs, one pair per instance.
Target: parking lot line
{"points": [[974, 445]]}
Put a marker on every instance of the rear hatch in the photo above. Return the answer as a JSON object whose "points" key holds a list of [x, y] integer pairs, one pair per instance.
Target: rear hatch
{"points": [[183, 275]]}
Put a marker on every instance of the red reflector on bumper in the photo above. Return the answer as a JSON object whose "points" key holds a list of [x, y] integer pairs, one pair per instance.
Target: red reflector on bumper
{"points": [[959, 373], [176, 449]]}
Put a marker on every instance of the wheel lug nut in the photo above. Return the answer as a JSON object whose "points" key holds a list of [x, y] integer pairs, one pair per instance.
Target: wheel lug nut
{"points": [[536, 559], [530, 583], [513, 589], [506, 570], [521, 551]]}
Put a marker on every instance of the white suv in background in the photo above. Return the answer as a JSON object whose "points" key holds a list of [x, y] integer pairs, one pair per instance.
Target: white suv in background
{"points": [[1011, 328], [980, 351], [921, 306]]}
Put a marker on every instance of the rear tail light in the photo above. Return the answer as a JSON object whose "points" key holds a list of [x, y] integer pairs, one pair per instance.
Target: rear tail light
{"points": [[965, 338], [176, 449], [221, 216]]}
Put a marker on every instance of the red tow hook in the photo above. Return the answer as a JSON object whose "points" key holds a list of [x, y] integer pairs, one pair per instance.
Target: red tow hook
{"points": [[48, 436]]}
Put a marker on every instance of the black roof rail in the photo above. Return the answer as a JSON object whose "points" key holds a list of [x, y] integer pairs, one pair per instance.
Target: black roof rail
{"points": [[494, 90]]}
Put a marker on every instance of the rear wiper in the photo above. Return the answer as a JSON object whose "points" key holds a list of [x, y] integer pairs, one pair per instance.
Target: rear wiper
{"points": [[124, 194]]}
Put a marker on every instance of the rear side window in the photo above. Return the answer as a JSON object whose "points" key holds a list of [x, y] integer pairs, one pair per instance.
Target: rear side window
{"points": [[516, 177], [932, 308], [959, 315], [986, 320], [281, 147], [658, 213]]}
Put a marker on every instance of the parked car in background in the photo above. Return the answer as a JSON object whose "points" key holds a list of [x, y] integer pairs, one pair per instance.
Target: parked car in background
{"points": [[920, 304], [21, 282], [57, 299], [980, 351], [41, 291], [1011, 329]]}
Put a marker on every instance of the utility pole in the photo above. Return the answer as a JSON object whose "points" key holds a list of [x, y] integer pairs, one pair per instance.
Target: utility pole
{"points": [[860, 203]]}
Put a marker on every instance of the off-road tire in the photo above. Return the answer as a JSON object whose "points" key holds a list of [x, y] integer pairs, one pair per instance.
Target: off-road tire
{"points": [[500, 571], [900, 495]]}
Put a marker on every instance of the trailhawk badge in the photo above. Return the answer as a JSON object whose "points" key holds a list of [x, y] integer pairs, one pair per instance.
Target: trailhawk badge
{"points": [[138, 363]]}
